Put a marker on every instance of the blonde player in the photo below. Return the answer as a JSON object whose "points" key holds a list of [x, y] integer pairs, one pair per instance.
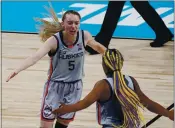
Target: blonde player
{"points": [[65, 44]]}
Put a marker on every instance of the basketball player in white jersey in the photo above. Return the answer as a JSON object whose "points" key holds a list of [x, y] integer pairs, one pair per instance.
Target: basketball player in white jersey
{"points": [[66, 48], [118, 97]]}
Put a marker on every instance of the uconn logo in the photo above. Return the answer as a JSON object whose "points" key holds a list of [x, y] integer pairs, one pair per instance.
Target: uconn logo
{"points": [[64, 55]]}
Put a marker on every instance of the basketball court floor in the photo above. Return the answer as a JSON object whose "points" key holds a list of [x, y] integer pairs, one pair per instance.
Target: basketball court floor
{"points": [[21, 97]]}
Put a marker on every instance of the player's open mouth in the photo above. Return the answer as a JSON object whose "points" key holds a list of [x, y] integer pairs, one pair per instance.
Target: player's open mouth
{"points": [[72, 32]]}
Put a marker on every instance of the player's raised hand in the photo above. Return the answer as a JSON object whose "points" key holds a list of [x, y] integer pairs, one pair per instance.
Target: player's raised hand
{"points": [[11, 76]]}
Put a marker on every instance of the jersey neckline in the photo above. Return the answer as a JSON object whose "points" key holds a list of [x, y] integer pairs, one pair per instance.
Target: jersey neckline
{"points": [[68, 46]]}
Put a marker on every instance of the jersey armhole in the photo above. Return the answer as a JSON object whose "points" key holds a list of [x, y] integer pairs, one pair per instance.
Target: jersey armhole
{"points": [[132, 79], [53, 53], [83, 38]]}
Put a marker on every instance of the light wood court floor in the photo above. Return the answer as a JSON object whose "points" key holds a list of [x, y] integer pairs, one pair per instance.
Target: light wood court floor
{"points": [[21, 97]]}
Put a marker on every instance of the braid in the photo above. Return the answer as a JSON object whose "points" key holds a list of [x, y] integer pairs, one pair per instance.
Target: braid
{"points": [[49, 28], [127, 97]]}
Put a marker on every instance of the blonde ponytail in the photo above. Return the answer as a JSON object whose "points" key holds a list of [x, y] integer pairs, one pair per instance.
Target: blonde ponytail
{"points": [[49, 28]]}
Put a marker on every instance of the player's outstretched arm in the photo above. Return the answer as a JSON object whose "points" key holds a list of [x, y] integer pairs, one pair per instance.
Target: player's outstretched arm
{"points": [[93, 96], [152, 105], [93, 44], [50, 44]]}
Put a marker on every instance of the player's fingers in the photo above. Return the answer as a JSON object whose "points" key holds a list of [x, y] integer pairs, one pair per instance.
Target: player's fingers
{"points": [[11, 76]]}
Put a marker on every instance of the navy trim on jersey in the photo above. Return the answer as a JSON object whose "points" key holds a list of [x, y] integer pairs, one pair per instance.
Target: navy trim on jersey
{"points": [[61, 36], [72, 82], [53, 53], [83, 38], [111, 93], [125, 80], [132, 79]]}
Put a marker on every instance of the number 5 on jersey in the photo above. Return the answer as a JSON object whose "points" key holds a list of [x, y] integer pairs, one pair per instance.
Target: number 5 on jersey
{"points": [[71, 65]]}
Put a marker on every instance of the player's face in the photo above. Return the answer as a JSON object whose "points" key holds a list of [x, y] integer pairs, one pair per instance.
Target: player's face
{"points": [[71, 24]]}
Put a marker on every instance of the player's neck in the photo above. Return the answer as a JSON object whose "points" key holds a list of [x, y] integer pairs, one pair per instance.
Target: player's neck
{"points": [[69, 39]]}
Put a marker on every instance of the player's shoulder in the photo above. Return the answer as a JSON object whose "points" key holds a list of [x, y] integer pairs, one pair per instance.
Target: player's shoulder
{"points": [[86, 33], [132, 78], [101, 83]]}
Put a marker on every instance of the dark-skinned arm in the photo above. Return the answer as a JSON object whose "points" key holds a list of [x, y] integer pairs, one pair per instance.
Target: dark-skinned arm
{"points": [[92, 97], [151, 105]]}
